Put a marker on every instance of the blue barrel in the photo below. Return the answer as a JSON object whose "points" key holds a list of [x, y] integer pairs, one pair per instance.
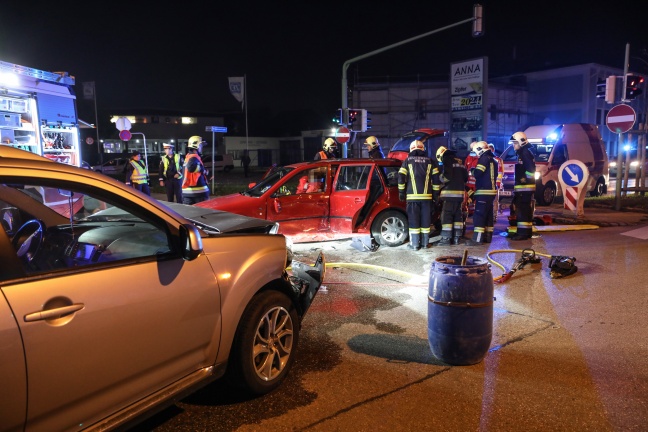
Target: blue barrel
{"points": [[460, 309]]}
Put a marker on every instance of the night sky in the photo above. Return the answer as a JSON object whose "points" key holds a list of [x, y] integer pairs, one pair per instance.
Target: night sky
{"points": [[152, 55]]}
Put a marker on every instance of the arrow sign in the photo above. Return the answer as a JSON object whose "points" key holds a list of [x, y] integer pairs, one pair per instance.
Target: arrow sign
{"points": [[573, 173], [621, 118]]}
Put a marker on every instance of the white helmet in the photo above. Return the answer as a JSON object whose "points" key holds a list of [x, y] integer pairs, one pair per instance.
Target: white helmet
{"points": [[372, 142], [417, 145], [521, 138], [439, 153], [194, 142], [479, 147], [329, 144]]}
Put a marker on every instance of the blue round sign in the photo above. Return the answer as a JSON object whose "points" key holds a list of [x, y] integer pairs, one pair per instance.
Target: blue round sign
{"points": [[573, 173]]}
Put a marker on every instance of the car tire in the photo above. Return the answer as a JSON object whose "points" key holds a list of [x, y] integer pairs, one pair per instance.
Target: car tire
{"points": [[599, 189], [264, 345], [390, 228], [545, 196]]}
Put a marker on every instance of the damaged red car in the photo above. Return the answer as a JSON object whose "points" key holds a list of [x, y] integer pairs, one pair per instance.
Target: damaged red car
{"points": [[327, 200]]}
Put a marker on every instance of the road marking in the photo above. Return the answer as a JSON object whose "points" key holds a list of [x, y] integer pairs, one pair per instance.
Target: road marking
{"points": [[640, 233]]}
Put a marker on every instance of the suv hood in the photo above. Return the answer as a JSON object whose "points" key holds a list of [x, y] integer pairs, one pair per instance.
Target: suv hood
{"points": [[221, 221]]}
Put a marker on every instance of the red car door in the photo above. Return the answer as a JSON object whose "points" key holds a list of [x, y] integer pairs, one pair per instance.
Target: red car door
{"points": [[301, 205], [349, 195]]}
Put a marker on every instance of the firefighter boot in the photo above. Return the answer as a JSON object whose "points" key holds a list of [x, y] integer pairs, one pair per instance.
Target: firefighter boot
{"points": [[445, 241], [457, 240], [488, 237], [425, 243]]}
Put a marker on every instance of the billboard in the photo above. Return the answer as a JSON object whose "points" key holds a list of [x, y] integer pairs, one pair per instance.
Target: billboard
{"points": [[468, 82]]}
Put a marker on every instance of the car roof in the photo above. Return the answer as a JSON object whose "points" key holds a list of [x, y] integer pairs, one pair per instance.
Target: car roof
{"points": [[16, 153], [322, 162]]}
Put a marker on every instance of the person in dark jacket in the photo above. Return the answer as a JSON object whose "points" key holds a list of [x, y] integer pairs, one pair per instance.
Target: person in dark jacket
{"points": [[524, 188], [415, 187], [452, 180], [485, 175], [170, 173], [136, 174], [374, 148]]}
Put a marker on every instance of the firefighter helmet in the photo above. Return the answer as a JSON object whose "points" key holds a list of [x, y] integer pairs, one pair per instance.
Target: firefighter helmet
{"points": [[329, 144], [195, 141], [417, 145], [372, 142], [479, 147], [440, 152], [521, 138]]}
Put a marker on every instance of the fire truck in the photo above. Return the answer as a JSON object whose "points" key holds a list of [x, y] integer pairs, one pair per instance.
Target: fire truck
{"points": [[38, 112]]}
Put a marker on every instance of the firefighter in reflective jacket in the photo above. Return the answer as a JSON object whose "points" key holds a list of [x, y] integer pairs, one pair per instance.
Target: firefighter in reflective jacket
{"points": [[415, 187], [485, 174], [136, 175], [524, 188], [452, 180], [194, 186], [329, 150]]}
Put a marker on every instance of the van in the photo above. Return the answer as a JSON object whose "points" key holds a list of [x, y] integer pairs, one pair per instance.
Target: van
{"points": [[553, 145], [222, 162]]}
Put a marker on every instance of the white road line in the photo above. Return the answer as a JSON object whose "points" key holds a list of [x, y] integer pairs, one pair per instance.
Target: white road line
{"points": [[640, 233]]}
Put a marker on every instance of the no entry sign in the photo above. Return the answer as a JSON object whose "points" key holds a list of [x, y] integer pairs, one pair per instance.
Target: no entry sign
{"points": [[342, 135], [621, 118]]}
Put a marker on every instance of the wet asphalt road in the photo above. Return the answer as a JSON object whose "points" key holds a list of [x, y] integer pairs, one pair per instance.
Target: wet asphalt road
{"points": [[566, 354]]}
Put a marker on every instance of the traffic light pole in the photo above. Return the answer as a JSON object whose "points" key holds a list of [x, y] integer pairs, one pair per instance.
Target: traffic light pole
{"points": [[477, 16], [620, 168]]}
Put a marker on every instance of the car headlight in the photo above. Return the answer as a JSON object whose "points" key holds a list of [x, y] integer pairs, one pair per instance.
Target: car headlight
{"points": [[537, 175]]}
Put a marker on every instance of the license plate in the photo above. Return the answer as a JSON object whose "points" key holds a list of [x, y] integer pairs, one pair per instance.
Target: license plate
{"points": [[505, 193]]}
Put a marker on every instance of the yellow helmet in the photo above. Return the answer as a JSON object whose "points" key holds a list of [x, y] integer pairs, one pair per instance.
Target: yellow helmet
{"points": [[417, 145], [479, 147], [329, 144], [194, 142], [439, 153], [521, 138], [372, 142]]}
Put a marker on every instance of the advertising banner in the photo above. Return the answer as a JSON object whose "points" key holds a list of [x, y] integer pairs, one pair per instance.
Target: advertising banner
{"points": [[468, 80]]}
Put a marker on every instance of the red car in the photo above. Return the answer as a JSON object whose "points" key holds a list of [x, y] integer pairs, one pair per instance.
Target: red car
{"points": [[326, 200]]}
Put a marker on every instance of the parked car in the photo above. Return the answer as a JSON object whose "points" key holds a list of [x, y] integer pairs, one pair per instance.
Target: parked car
{"points": [[326, 199], [127, 304], [111, 167], [431, 138], [632, 170], [552, 146]]}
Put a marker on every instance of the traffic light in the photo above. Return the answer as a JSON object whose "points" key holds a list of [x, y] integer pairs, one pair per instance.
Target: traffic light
{"points": [[633, 86], [337, 117], [610, 89], [478, 21], [600, 88], [353, 119]]}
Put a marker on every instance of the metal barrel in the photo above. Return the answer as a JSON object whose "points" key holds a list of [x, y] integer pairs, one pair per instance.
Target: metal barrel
{"points": [[460, 309]]}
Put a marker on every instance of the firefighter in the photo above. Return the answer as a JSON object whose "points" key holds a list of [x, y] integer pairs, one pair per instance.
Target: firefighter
{"points": [[500, 165], [170, 173], [524, 188], [415, 187], [194, 186], [374, 148], [452, 180], [329, 150], [485, 175], [136, 174]]}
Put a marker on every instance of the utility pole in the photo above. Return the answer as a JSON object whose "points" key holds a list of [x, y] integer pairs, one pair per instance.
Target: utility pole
{"points": [[477, 19]]}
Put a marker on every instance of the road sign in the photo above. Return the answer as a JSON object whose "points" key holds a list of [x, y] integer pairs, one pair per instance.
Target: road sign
{"points": [[621, 118], [573, 173], [123, 123], [89, 140], [216, 129], [125, 135], [342, 135]]}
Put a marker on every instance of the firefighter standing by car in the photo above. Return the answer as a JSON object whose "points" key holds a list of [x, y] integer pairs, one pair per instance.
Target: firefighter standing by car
{"points": [[136, 174], [415, 187], [170, 173], [194, 186], [485, 175], [452, 180], [329, 150], [524, 188], [374, 148]]}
